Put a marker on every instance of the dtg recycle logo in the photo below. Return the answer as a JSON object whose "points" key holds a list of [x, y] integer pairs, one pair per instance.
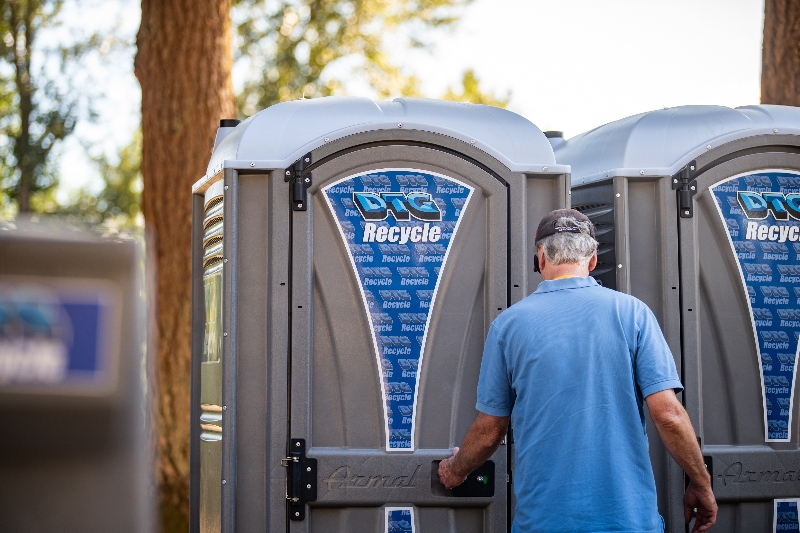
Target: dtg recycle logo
{"points": [[376, 206], [398, 225], [761, 213]]}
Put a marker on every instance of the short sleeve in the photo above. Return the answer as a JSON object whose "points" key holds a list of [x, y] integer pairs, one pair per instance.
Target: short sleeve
{"points": [[655, 366], [495, 396]]}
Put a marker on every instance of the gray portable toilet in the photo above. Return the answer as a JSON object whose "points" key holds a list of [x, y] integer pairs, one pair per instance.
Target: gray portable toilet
{"points": [[698, 215], [74, 443], [349, 257]]}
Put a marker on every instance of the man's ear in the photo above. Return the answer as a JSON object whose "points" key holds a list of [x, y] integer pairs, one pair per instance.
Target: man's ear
{"points": [[593, 262]]}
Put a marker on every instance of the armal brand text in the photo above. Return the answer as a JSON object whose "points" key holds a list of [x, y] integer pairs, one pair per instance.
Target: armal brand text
{"points": [[343, 478], [736, 473]]}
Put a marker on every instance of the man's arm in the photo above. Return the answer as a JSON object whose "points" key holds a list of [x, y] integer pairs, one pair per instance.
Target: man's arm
{"points": [[678, 435], [481, 441]]}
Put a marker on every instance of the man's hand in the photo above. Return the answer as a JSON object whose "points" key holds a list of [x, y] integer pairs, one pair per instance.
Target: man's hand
{"points": [[482, 440], [676, 432], [446, 475], [702, 499]]}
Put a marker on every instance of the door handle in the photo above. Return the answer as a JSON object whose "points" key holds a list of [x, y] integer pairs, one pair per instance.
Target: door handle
{"points": [[479, 483]]}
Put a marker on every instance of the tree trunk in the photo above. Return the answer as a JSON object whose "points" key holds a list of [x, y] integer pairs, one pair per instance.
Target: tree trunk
{"points": [[183, 64], [780, 63]]}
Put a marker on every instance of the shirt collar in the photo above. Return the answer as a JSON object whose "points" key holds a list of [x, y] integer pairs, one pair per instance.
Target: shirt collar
{"points": [[566, 283]]}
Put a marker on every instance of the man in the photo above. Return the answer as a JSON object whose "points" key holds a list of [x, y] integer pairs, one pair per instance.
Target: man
{"points": [[571, 365]]}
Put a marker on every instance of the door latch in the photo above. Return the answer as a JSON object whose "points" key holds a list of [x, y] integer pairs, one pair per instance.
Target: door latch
{"points": [[301, 479], [686, 185], [300, 182]]}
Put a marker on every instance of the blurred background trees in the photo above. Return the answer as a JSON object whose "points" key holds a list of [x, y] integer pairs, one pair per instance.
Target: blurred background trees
{"points": [[46, 89], [309, 47], [35, 111]]}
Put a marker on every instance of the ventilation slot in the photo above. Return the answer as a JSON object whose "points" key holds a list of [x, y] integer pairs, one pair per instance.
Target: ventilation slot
{"points": [[212, 237], [209, 262], [211, 221], [212, 203], [602, 216], [211, 374]]}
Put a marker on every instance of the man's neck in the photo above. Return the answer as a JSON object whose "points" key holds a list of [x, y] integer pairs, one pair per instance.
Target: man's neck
{"points": [[566, 270]]}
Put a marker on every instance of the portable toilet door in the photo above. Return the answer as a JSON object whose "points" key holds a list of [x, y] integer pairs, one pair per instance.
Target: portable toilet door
{"points": [[365, 251], [701, 211]]}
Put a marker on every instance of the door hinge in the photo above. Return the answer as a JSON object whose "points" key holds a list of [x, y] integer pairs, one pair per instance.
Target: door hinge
{"points": [[301, 479], [686, 186], [299, 182]]}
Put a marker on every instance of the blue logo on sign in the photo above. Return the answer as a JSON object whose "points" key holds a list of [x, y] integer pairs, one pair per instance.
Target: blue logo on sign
{"points": [[50, 337], [398, 229], [762, 216], [400, 520], [786, 516], [757, 206], [376, 206]]}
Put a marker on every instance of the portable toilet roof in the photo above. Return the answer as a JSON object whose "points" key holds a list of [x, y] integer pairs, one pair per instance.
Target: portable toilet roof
{"points": [[279, 135], [660, 143]]}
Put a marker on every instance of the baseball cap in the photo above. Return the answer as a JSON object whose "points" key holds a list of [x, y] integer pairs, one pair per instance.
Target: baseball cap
{"points": [[548, 227]]}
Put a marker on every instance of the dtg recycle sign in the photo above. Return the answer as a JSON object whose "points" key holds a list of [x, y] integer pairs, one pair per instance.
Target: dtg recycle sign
{"points": [[761, 213], [398, 225]]}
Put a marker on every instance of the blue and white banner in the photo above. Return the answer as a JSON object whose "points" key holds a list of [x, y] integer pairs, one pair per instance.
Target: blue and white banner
{"points": [[54, 334], [398, 225], [399, 520], [761, 213], [785, 516]]}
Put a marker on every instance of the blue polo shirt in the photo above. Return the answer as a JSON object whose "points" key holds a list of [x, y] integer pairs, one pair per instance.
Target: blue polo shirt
{"points": [[571, 364]]}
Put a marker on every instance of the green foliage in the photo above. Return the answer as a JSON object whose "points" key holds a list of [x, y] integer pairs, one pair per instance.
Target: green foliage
{"points": [[41, 99], [471, 92], [118, 204], [121, 197], [35, 112], [297, 48]]}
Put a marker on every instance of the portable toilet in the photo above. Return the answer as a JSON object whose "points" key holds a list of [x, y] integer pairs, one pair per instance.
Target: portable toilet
{"points": [[349, 257], [698, 212], [74, 443]]}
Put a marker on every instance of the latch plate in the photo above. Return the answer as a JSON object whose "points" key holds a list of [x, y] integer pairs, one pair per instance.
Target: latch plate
{"points": [[299, 182], [708, 461], [686, 186], [479, 483], [301, 479]]}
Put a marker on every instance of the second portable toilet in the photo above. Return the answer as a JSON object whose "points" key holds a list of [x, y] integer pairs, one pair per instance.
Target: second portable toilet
{"points": [[349, 257], [698, 215]]}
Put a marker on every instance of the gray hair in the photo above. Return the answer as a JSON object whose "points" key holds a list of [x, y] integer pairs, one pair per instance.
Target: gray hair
{"points": [[568, 247]]}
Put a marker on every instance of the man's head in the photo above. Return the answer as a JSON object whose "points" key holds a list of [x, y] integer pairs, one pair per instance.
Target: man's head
{"points": [[565, 237]]}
